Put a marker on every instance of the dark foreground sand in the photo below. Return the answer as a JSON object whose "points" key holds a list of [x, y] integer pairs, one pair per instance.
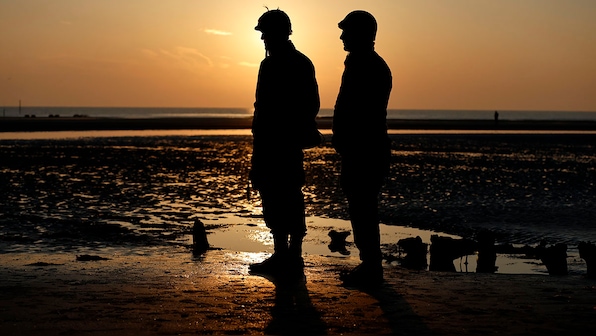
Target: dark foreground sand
{"points": [[131, 199], [177, 294]]}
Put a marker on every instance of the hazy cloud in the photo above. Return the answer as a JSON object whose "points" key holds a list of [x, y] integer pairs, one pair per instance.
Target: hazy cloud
{"points": [[192, 56], [182, 57], [217, 32], [248, 64]]}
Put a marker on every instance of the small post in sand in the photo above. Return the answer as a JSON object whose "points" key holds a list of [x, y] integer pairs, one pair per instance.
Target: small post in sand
{"points": [[200, 244], [553, 257], [487, 253], [587, 251], [416, 252]]}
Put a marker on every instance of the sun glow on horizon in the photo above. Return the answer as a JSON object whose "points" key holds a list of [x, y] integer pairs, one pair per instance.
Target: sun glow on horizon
{"points": [[535, 55]]}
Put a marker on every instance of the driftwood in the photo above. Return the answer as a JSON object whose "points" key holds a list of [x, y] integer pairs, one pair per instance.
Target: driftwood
{"points": [[487, 253], [553, 257], [416, 252], [587, 251], [443, 250], [88, 257]]}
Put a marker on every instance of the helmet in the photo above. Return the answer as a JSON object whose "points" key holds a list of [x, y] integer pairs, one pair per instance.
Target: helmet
{"points": [[274, 21], [361, 21]]}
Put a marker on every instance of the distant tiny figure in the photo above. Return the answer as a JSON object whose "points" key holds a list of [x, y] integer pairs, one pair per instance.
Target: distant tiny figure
{"points": [[496, 117], [360, 137], [287, 102]]}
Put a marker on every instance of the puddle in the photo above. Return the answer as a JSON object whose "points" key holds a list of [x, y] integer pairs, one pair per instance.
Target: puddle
{"points": [[247, 234]]}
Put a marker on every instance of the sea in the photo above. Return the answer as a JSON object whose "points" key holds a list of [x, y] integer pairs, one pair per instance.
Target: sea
{"points": [[201, 112]]}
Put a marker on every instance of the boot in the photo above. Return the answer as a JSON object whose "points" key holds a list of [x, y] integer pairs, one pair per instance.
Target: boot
{"points": [[277, 262], [295, 261], [366, 275]]}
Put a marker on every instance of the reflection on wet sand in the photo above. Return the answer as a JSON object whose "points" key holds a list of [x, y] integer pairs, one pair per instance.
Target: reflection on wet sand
{"points": [[250, 235], [68, 195], [134, 201]]}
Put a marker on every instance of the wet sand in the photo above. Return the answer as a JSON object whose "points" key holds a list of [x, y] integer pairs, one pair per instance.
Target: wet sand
{"points": [[133, 201], [174, 293]]}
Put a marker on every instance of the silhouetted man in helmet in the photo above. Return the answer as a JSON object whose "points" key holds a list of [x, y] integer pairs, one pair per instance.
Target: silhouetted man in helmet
{"points": [[287, 102], [360, 138]]}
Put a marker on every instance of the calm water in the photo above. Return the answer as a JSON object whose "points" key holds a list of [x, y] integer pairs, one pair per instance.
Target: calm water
{"points": [[159, 112]]}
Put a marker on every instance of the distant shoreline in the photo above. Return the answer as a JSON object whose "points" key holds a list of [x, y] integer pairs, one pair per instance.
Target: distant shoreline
{"points": [[46, 124]]}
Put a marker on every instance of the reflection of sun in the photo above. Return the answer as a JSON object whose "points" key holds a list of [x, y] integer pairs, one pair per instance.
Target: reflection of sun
{"points": [[245, 44], [261, 236], [250, 257], [253, 207]]}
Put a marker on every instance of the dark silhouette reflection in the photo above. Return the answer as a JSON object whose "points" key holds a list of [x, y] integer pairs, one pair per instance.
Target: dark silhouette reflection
{"points": [[398, 313], [293, 312], [360, 137], [287, 102]]}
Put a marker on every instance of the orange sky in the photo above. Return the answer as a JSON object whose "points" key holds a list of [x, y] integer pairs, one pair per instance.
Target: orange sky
{"points": [[457, 54]]}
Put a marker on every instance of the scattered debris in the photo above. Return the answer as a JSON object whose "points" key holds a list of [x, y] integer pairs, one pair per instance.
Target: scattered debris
{"points": [[553, 257], [487, 253], [200, 244], [416, 252], [338, 241], [87, 257], [443, 250]]}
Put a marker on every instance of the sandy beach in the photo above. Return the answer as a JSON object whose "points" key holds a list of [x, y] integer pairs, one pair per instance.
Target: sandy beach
{"points": [[173, 293], [131, 202]]}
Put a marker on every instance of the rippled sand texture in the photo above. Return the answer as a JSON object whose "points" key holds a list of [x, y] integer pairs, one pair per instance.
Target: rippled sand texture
{"points": [[63, 194], [118, 190], [525, 187]]}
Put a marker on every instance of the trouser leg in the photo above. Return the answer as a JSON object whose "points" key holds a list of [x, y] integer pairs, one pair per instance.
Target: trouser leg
{"points": [[280, 243], [364, 217], [283, 211], [361, 180]]}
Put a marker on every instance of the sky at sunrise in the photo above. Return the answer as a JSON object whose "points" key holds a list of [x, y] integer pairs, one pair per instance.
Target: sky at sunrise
{"points": [[456, 54]]}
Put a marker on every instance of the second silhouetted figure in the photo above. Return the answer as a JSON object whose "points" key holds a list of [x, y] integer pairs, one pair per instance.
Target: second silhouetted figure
{"points": [[360, 137]]}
